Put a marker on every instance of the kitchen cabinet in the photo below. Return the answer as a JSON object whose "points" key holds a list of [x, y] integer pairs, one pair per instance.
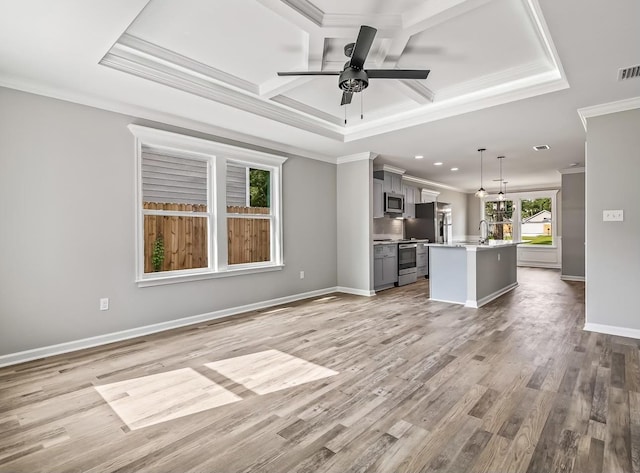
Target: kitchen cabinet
{"points": [[409, 193], [422, 260], [392, 182], [427, 196], [385, 266], [378, 198]]}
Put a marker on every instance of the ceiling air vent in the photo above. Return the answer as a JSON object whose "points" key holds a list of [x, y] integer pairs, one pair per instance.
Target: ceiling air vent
{"points": [[541, 147], [629, 73]]}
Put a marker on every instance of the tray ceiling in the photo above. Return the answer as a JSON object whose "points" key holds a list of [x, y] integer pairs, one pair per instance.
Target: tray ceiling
{"points": [[481, 53]]}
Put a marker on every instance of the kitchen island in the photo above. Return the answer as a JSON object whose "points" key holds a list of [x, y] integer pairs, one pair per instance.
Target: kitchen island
{"points": [[472, 274]]}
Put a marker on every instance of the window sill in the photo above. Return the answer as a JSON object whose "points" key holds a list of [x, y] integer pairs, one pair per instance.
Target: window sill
{"points": [[180, 278]]}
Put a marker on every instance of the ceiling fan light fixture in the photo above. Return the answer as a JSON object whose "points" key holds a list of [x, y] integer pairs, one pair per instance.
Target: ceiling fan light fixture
{"points": [[353, 80]]}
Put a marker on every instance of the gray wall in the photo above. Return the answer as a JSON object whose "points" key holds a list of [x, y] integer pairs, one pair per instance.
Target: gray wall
{"points": [[493, 274], [458, 201], [67, 177], [355, 216], [613, 248], [474, 212], [573, 225]]}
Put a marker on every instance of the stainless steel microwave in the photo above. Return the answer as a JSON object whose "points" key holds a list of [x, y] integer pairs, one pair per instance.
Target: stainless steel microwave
{"points": [[393, 203]]}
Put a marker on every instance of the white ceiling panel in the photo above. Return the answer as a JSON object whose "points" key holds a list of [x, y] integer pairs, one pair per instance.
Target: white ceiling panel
{"points": [[240, 37], [484, 41]]}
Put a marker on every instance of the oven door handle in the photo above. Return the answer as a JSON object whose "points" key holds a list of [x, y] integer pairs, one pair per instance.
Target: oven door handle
{"points": [[407, 245]]}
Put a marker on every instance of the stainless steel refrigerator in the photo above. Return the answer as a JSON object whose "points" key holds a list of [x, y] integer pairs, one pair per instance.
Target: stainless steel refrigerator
{"points": [[432, 221]]}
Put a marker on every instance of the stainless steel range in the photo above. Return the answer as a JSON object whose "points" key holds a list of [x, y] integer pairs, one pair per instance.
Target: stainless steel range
{"points": [[407, 268]]}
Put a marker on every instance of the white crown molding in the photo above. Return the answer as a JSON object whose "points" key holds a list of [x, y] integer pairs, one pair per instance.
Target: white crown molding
{"points": [[128, 42], [425, 182], [128, 60], [388, 168], [356, 157], [607, 108], [307, 10], [576, 170], [441, 109]]}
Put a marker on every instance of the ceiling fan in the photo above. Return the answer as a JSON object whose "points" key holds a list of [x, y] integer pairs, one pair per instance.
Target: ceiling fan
{"points": [[353, 77]]}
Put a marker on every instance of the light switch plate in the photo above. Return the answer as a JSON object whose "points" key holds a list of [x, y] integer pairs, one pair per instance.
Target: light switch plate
{"points": [[612, 215]]}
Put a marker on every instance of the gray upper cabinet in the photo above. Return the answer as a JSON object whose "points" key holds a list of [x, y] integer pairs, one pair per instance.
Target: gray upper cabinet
{"points": [[409, 201], [392, 182]]}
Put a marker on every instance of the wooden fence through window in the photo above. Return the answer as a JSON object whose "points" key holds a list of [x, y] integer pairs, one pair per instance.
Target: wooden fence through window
{"points": [[185, 239]]}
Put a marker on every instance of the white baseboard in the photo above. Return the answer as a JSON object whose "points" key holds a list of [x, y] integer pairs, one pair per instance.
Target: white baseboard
{"points": [[355, 292], [613, 330], [494, 295], [564, 277], [37, 353], [539, 265]]}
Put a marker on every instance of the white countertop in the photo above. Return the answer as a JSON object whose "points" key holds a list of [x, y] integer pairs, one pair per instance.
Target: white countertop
{"points": [[472, 246], [395, 242]]}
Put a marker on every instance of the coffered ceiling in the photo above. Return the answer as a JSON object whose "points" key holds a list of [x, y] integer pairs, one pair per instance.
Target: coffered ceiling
{"points": [[193, 46], [505, 74]]}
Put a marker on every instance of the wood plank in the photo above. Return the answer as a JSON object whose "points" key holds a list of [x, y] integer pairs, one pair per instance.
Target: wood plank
{"points": [[514, 386]]}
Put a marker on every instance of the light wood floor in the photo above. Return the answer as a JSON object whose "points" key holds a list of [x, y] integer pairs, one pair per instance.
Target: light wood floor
{"points": [[409, 385]]}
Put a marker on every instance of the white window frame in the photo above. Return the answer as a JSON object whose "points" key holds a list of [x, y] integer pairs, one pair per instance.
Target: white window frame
{"points": [[217, 155], [517, 197]]}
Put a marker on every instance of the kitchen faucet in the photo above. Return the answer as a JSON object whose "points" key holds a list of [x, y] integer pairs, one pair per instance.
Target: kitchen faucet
{"points": [[484, 236]]}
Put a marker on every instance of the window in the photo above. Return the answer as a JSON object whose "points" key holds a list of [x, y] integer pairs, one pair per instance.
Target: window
{"points": [[248, 225], [205, 209], [499, 216], [527, 216], [536, 221]]}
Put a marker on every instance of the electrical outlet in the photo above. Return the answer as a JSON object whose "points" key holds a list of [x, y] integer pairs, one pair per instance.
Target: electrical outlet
{"points": [[498, 256], [612, 215], [104, 303], [301, 274]]}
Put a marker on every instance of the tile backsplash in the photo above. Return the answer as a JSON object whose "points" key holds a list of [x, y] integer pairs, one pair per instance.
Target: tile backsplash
{"points": [[387, 227]]}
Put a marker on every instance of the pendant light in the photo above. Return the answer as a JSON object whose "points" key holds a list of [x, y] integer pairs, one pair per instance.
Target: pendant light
{"points": [[501, 195], [481, 192]]}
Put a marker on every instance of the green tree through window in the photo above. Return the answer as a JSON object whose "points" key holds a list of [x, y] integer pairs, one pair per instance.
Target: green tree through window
{"points": [[259, 181]]}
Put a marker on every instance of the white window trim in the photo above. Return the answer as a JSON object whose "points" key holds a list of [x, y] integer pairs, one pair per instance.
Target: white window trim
{"points": [[217, 154], [516, 197]]}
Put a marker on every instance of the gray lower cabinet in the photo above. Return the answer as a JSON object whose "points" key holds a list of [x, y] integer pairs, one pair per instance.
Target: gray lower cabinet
{"points": [[422, 260], [385, 266]]}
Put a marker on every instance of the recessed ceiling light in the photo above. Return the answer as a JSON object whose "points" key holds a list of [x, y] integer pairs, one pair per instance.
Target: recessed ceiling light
{"points": [[541, 147], [419, 156], [437, 164], [454, 169]]}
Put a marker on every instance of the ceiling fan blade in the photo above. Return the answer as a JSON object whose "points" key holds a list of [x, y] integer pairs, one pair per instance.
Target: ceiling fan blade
{"points": [[310, 73], [362, 46], [346, 98], [397, 73]]}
